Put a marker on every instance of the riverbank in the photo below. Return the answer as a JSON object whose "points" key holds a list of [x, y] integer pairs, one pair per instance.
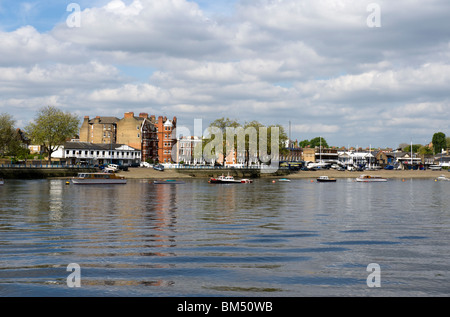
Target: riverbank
{"points": [[41, 173], [397, 174], [150, 173]]}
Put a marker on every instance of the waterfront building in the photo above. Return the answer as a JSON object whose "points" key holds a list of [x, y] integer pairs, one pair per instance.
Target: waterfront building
{"points": [[442, 159], [309, 154], [294, 153], [324, 155], [73, 153], [186, 150], [139, 133], [166, 142], [320, 155], [136, 132], [99, 130], [356, 159]]}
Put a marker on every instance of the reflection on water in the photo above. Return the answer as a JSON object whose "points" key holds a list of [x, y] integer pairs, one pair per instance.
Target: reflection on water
{"points": [[197, 239]]}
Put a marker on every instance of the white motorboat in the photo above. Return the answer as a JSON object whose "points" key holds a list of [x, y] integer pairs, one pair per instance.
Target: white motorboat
{"points": [[443, 178], [324, 179], [229, 180], [97, 179]]}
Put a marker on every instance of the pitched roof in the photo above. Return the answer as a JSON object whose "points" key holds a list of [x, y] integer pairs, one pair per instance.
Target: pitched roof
{"points": [[105, 120], [96, 146]]}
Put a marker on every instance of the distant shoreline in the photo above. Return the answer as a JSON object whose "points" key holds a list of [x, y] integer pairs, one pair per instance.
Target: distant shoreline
{"points": [[149, 173]]}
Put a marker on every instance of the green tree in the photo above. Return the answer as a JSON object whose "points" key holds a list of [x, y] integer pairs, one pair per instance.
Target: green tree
{"points": [[439, 142], [9, 138], [51, 128], [218, 136], [318, 141], [304, 143], [251, 134], [415, 148], [425, 150], [252, 143]]}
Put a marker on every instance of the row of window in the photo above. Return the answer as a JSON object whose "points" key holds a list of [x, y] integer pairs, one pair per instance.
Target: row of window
{"points": [[103, 153]]}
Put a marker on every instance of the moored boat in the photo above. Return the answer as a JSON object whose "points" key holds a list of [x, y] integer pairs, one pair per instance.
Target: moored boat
{"points": [[229, 180], [168, 181], [324, 179], [284, 180], [370, 178], [2, 181], [97, 179], [443, 178]]}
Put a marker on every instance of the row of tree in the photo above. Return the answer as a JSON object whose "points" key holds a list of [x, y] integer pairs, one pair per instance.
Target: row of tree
{"points": [[51, 128], [315, 142], [252, 139], [439, 142]]}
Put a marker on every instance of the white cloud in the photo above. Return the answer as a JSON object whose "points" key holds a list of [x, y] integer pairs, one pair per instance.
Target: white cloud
{"points": [[315, 128], [315, 63]]}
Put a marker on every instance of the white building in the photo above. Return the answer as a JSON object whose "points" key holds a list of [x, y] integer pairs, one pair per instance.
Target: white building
{"points": [[186, 150], [92, 154], [356, 159]]}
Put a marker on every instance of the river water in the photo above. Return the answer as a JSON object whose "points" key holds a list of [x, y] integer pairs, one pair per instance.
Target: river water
{"points": [[196, 239]]}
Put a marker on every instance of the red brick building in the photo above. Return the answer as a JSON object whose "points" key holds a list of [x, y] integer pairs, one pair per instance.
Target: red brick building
{"points": [[166, 143]]}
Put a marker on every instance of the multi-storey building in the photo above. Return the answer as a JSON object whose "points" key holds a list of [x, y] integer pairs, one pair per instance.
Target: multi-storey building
{"points": [[99, 130], [186, 150], [139, 133], [166, 141], [136, 132]]}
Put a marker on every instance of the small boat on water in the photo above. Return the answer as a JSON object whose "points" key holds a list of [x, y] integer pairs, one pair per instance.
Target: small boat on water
{"points": [[168, 181], [229, 180], [370, 178], [325, 179], [284, 180], [98, 178], [443, 178], [2, 181]]}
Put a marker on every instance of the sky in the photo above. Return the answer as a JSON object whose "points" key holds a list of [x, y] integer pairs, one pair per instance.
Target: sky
{"points": [[357, 73]]}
